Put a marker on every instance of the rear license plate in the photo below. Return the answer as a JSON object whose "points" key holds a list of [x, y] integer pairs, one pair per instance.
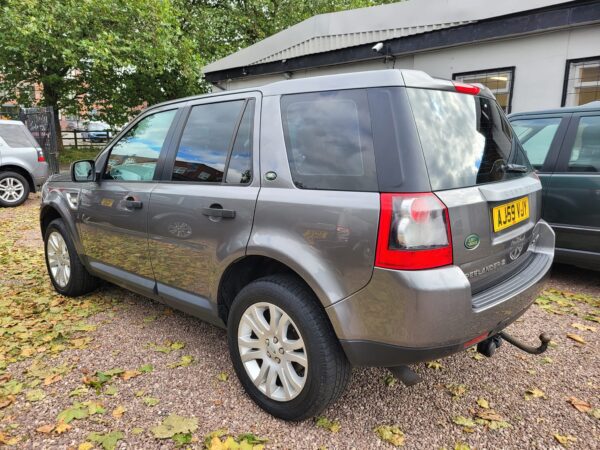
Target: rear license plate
{"points": [[510, 214]]}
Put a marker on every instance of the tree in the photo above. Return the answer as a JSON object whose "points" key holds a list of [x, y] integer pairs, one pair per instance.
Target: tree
{"points": [[108, 55]]}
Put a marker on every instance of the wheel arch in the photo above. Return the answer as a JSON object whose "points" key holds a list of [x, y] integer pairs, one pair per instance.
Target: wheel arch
{"points": [[245, 270], [21, 171]]}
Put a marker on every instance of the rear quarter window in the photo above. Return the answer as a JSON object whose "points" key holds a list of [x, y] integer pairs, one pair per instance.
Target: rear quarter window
{"points": [[16, 136], [329, 140]]}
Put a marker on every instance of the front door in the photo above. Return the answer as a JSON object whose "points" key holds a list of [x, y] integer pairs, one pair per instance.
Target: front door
{"points": [[573, 199], [113, 212], [201, 212]]}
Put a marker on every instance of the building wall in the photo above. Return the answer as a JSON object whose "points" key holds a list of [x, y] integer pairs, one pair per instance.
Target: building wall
{"points": [[539, 62]]}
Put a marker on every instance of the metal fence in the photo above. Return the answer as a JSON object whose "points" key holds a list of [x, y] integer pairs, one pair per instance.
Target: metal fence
{"points": [[40, 122]]}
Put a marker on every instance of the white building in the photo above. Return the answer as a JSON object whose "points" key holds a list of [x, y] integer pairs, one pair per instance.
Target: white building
{"points": [[533, 54]]}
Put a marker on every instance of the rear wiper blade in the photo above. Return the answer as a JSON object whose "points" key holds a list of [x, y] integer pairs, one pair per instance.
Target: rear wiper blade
{"points": [[515, 168]]}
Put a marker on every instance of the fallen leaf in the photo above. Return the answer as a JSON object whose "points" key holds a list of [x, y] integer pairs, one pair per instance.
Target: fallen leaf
{"points": [[85, 446], [62, 427], [457, 390], [128, 374], [110, 390], [150, 401], [564, 440], [390, 380], [173, 425], [534, 393], [490, 414], [118, 412], [146, 368], [391, 434], [223, 376], [435, 365], [461, 446], [576, 338], [579, 405], [35, 395], [467, 424], [108, 441], [583, 327], [184, 361], [51, 379], [45, 428], [595, 413], [137, 430], [483, 403], [331, 425]]}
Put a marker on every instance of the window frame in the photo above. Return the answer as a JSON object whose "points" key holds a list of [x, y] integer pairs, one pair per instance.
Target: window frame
{"points": [[549, 164], [562, 165], [171, 153], [566, 76], [511, 69], [163, 150]]}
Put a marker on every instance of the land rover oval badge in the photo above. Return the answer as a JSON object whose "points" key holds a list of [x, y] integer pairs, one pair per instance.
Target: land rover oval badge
{"points": [[472, 242]]}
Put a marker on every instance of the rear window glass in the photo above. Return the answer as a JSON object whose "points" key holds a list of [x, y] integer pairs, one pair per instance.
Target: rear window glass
{"points": [[329, 140], [466, 139], [16, 136]]}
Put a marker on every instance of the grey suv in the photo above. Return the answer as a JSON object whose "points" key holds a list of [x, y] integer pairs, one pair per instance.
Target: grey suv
{"points": [[370, 219], [23, 167]]}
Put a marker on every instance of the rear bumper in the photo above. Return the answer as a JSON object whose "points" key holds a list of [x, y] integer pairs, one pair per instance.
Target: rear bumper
{"points": [[403, 317]]}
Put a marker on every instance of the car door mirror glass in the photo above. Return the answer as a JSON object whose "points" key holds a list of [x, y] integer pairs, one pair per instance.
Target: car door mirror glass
{"points": [[82, 171]]}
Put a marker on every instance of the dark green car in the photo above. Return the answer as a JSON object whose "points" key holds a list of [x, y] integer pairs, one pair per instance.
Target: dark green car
{"points": [[563, 145]]}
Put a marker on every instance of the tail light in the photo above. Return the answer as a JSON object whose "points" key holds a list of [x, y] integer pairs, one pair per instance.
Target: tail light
{"points": [[465, 88], [414, 232], [40, 155]]}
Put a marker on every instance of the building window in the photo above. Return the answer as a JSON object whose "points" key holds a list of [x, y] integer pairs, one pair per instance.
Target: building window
{"points": [[499, 81], [582, 81]]}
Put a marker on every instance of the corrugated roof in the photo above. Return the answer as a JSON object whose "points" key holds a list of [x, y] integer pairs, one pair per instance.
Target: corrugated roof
{"points": [[327, 32]]}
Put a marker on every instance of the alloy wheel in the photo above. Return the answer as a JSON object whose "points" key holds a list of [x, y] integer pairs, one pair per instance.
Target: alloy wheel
{"points": [[272, 351], [58, 259], [11, 190]]}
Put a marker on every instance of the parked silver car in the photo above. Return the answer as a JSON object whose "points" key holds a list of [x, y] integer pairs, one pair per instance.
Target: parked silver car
{"points": [[23, 168], [370, 219]]}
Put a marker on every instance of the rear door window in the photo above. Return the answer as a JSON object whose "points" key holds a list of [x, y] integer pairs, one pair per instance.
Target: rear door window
{"points": [[329, 140], [466, 139], [585, 153], [536, 136], [206, 141]]}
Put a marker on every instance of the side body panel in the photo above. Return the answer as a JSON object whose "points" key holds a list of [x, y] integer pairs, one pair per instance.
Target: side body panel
{"points": [[327, 237]]}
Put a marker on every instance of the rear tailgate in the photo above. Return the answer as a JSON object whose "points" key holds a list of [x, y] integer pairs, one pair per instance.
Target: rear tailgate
{"points": [[478, 169]]}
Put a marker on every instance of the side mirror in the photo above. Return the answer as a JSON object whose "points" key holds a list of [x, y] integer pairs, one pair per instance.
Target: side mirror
{"points": [[82, 171]]}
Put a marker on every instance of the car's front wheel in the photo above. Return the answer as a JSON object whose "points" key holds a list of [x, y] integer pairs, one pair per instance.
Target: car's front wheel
{"points": [[284, 349], [68, 275], [14, 189]]}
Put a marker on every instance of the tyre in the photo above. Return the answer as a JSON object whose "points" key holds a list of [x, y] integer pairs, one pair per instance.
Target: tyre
{"points": [[69, 277], [284, 349], [14, 189]]}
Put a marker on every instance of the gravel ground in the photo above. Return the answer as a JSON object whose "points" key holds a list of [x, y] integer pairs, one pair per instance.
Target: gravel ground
{"points": [[425, 412]]}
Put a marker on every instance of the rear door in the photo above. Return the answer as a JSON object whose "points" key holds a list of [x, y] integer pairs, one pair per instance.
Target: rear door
{"points": [[541, 137], [573, 199], [202, 210], [478, 169]]}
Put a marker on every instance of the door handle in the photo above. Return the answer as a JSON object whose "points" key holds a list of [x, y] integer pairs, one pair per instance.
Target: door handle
{"points": [[218, 211], [132, 203]]}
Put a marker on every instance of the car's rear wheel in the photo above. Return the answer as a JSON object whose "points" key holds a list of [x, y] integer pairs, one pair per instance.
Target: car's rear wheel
{"points": [[68, 275], [284, 349], [14, 189]]}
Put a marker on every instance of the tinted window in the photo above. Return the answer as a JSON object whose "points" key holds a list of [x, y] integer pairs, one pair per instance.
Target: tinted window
{"points": [[466, 139], [585, 154], [536, 136], [240, 164], [134, 156], [16, 136], [205, 142], [328, 140]]}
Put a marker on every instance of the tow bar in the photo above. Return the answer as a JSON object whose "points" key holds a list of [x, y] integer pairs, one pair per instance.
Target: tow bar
{"points": [[489, 346]]}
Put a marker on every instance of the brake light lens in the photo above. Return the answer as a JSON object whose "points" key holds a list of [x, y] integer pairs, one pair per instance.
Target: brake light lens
{"points": [[465, 88], [40, 155], [414, 232]]}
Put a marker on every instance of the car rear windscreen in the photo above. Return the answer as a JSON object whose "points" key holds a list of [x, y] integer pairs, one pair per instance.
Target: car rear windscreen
{"points": [[466, 139]]}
